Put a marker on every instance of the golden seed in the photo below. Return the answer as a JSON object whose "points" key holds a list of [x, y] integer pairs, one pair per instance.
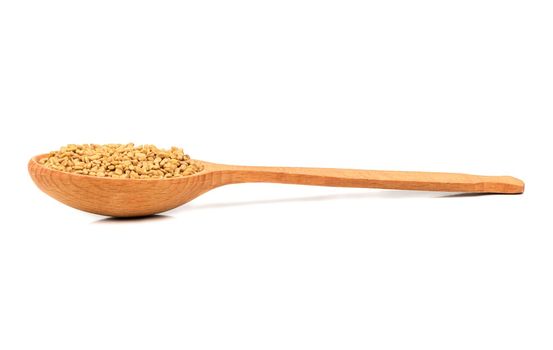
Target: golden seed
{"points": [[122, 161]]}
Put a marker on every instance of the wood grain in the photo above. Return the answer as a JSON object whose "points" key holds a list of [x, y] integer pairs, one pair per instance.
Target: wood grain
{"points": [[398, 180], [130, 197]]}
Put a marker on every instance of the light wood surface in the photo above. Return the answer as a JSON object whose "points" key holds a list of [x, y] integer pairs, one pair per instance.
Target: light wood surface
{"points": [[128, 197]]}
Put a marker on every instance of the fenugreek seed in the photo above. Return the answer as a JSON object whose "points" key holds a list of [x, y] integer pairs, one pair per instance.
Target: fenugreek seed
{"points": [[122, 161]]}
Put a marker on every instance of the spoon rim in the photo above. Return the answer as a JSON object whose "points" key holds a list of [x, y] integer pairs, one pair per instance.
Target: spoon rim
{"points": [[36, 159]]}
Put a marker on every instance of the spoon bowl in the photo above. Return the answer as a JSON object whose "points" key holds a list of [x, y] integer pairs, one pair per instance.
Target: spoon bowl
{"points": [[140, 197], [120, 197]]}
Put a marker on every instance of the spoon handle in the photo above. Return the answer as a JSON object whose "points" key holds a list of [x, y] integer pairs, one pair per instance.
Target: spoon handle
{"points": [[399, 180]]}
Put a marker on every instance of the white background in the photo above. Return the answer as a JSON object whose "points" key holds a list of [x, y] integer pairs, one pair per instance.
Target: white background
{"points": [[400, 85]]}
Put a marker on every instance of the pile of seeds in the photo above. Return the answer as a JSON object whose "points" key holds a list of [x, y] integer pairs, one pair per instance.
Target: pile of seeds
{"points": [[122, 161]]}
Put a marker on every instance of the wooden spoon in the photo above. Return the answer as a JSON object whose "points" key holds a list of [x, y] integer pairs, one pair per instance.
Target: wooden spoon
{"points": [[140, 197]]}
